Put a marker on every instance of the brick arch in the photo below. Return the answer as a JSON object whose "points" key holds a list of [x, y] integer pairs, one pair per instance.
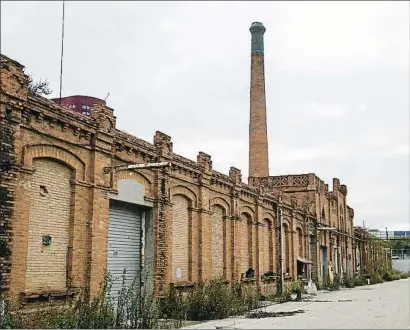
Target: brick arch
{"points": [[300, 247], [266, 245], [142, 179], [220, 202], [248, 216], [61, 154], [287, 222], [247, 210], [270, 216], [268, 220], [184, 191]]}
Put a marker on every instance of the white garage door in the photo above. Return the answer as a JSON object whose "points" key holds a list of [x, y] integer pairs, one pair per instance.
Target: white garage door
{"points": [[124, 244]]}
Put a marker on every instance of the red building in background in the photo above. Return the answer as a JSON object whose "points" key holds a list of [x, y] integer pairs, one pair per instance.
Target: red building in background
{"points": [[79, 103]]}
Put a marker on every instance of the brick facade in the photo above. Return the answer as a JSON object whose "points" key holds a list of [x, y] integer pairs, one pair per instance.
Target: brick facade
{"points": [[205, 224], [50, 190], [192, 202]]}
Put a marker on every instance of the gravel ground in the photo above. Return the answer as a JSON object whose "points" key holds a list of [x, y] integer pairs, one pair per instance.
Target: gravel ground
{"points": [[380, 306]]}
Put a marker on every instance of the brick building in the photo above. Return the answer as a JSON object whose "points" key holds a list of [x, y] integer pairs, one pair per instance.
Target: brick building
{"points": [[74, 213], [79, 103]]}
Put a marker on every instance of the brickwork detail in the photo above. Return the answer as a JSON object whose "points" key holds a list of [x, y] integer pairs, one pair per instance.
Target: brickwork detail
{"points": [[258, 136], [49, 215], [218, 242], [244, 249], [8, 179], [180, 234], [287, 257], [299, 240], [185, 234], [266, 247]]}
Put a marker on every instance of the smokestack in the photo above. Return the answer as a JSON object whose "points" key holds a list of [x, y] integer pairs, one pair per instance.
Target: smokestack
{"points": [[258, 137]]}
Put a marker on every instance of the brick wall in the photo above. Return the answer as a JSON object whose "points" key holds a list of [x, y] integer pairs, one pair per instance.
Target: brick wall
{"points": [[218, 242], [8, 179], [185, 233], [180, 236], [49, 215], [266, 247], [244, 247]]}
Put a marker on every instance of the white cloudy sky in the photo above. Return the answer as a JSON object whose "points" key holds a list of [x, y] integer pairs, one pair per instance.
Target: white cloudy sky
{"points": [[337, 82]]}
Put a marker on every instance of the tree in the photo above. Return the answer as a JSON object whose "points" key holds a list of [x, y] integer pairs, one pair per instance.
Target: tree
{"points": [[40, 87]]}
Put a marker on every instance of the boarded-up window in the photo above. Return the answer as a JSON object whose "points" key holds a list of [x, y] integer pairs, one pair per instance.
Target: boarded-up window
{"points": [[180, 233], [245, 238], [300, 242], [287, 256], [218, 236], [266, 246], [49, 219]]}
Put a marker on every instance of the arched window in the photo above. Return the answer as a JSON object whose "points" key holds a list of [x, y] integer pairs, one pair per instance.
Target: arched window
{"points": [[218, 241], [286, 249], [266, 247], [246, 243], [49, 225], [300, 242], [180, 238]]}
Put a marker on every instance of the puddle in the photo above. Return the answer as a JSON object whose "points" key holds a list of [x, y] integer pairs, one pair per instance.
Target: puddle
{"points": [[261, 314]]}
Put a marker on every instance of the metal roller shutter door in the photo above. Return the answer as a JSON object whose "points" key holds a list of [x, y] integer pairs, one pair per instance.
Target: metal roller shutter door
{"points": [[124, 244]]}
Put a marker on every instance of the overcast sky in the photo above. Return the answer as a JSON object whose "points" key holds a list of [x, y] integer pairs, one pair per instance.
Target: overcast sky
{"points": [[337, 82]]}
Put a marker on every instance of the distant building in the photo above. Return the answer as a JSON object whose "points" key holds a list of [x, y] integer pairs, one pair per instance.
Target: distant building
{"points": [[79, 103], [383, 234]]}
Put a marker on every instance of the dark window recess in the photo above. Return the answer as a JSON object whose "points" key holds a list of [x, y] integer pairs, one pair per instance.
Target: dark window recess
{"points": [[3, 194], [43, 191]]}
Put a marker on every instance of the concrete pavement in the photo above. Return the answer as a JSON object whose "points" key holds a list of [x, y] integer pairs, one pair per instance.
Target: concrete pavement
{"points": [[380, 306]]}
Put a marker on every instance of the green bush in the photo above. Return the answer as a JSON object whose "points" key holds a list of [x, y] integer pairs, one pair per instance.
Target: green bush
{"points": [[335, 285], [388, 276], [359, 280], [133, 309], [375, 278], [394, 275], [138, 310], [319, 285], [349, 282], [216, 300]]}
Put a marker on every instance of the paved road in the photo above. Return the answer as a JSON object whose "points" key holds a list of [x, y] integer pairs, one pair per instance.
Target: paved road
{"points": [[381, 306]]}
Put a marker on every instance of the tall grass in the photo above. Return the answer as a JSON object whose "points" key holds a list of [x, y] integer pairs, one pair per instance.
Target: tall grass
{"points": [[135, 308]]}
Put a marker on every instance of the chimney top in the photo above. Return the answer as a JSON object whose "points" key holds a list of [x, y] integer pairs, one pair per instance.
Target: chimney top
{"points": [[257, 28]]}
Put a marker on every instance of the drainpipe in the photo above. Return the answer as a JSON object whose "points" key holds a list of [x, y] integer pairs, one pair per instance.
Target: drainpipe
{"points": [[282, 282], [309, 254]]}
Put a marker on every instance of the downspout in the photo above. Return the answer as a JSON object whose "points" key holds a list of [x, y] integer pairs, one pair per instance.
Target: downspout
{"points": [[309, 254], [282, 283]]}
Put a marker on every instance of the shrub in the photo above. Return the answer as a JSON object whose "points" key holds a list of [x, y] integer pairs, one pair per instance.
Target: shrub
{"points": [[216, 300], [359, 280], [375, 278], [335, 285], [349, 282], [319, 285], [131, 309], [137, 309], [172, 305]]}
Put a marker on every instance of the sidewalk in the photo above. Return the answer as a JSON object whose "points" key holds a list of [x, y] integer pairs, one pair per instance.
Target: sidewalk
{"points": [[380, 306]]}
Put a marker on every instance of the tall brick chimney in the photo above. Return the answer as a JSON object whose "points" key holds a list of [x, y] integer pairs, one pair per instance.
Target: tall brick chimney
{"points": [[258, 137]]}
